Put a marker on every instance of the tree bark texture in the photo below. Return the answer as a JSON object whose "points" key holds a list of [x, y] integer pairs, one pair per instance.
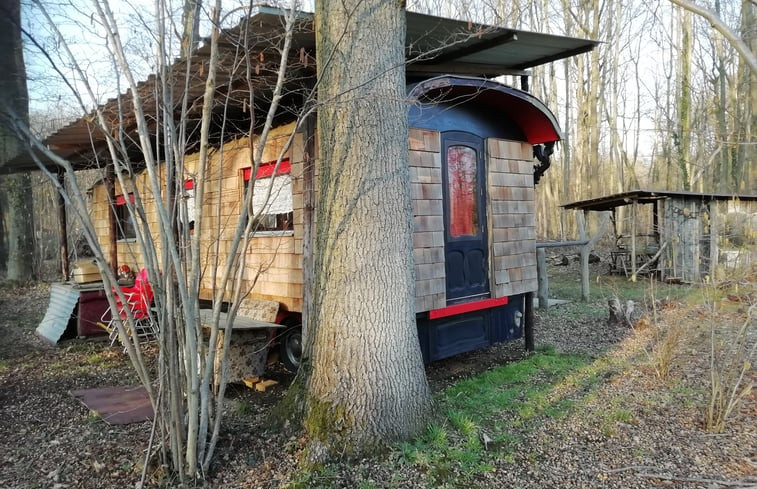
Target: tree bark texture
{"points": [[366, 382], [16, 204]]}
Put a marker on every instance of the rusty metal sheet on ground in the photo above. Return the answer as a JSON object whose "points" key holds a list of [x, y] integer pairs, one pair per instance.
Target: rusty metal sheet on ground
{"points": [[117, 405]]}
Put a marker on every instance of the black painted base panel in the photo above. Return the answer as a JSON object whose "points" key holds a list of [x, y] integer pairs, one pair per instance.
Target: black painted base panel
{"points": [[445, 337]]}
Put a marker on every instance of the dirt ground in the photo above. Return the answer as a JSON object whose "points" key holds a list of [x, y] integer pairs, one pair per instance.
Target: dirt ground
{"points": [[49, 440]]}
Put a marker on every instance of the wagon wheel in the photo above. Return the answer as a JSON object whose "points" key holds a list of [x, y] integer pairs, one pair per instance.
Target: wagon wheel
{"points": [[290, 347]]}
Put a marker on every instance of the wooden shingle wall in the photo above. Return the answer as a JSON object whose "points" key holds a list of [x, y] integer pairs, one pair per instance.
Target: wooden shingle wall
{"points": [[274, 262], [271, 263], [428, 232], [512, 220], [129, 252]]}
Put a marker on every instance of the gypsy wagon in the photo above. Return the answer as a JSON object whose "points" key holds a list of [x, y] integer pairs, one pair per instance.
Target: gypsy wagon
{"points": [[476, 149]]}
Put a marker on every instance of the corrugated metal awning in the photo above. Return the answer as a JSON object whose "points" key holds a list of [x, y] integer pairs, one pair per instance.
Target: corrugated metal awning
{"points": [[609, 202], [63, 299], [434, 46]]}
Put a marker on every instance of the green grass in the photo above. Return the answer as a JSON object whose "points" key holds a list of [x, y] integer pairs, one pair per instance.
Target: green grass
{"points": [[566, 284], [483, 419]]}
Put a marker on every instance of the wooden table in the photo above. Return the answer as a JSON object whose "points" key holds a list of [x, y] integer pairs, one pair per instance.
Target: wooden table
{"points": [[248, 349]]}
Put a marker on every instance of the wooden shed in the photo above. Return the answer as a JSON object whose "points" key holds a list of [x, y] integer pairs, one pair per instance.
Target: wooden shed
{"points": [[680, 236], [472, 164]]}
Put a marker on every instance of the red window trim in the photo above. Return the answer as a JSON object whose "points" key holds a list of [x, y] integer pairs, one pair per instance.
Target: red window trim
{"points": [[266, 169], [121, 200], [189, 184], [456, 309]]}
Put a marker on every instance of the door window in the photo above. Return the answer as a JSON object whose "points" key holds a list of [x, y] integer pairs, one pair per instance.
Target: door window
{"points": [[462, 175]]}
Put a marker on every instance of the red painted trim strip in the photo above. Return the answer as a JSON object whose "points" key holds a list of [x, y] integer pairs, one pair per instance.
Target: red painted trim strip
{"points": [[189, 184], [466, 307], [266, 169], [121, 200]]}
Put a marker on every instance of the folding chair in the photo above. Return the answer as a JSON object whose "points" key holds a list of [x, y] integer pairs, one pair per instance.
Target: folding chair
{"points": [[138, 300]]}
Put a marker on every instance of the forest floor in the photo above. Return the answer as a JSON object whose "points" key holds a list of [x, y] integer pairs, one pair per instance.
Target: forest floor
{"points": [[589, 409]]}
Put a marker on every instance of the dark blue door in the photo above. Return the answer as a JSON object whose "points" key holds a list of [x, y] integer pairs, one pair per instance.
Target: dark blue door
{"points": [[465, 240]]}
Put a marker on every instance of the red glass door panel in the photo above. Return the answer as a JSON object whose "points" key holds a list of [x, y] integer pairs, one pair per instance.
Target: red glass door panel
{"points": [[462, 186], [466, 255]]}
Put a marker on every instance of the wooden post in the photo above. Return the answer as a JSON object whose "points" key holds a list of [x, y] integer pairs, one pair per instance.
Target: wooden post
{"points": [[524, 83], [528, 322], [656, 222], [110, 189], [308, 219], [584, 256], [543, 279], [633, 241], [63, 227], [714, 234]]}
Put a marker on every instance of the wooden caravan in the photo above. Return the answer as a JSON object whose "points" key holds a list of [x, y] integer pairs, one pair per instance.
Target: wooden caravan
{"points": [[477, 148], [472, 169], [472, 177]]}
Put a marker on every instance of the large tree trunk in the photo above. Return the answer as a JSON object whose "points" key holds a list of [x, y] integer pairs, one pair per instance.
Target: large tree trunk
{"points": [[16, 203], [365, 379]]}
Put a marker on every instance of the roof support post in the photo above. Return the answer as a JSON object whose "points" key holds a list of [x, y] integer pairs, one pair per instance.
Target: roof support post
{"points": [[62, 226], [581, 218], [110, 189], [714, 235], [542, 279], [633, 241], [528, 322], [524, 83]]}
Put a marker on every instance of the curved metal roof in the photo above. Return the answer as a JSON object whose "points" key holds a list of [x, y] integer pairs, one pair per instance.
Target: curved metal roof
{"points": [[535, 120]]}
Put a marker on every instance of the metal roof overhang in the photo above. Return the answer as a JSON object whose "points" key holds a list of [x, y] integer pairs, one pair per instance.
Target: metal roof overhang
{"points": [[435, 46], [609, 202], [535, 120]]}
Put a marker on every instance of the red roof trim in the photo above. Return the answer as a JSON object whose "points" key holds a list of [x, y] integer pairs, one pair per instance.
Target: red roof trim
{"points": [[266, 169], [466, 307], [121, 200]]}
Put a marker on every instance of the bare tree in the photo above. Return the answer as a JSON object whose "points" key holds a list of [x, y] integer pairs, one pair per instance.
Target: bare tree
{"points": [[16, 206], [144, 139], [733, 38]]}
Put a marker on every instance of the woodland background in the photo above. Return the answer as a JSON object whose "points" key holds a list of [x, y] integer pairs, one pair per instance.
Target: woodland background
{"points": [[664, 102]]}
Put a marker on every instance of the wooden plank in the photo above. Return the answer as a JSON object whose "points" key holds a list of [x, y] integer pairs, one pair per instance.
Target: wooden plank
{"points": [[430, 190], [432, 141], [416, 140], [426, 271], [492, 148], [415, 158], [428, 223], [501, 276], [240, 322], [424, 207], [262, 386]]}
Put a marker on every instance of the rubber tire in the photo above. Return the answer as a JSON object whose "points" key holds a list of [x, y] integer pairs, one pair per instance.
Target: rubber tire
{"points": [[290, 347]]}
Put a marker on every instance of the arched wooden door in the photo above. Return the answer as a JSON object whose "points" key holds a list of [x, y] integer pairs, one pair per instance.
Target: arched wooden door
{"points": [[465, 238]]}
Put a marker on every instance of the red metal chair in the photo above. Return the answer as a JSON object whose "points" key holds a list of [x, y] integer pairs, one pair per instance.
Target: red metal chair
{"points": [[139, 301]]}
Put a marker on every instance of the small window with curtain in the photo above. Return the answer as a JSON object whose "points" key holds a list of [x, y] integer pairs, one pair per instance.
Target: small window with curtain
{"points": [[125, 226], [272, 196]]}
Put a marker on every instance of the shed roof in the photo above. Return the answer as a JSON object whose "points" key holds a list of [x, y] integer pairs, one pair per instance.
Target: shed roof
{"points": [[640, 196], [434, 45]]}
